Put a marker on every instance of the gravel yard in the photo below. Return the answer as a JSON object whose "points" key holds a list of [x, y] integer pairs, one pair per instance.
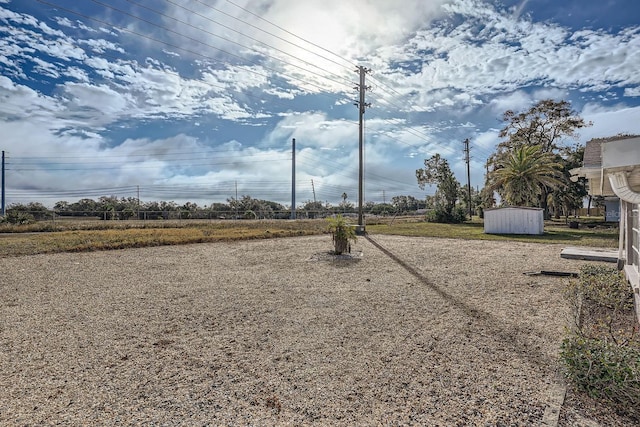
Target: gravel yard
{"points": [[404, 331]]}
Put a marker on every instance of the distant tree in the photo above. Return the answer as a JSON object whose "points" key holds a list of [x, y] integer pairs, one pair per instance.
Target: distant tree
{"points": [[189, 210], [403, 204], [522, 176], [61, 206], [85, 206], [569, 196], [275, 209], [218, 210], [437, 172], [487, 200], [382, 209], [547, 124], [17, 214], [250, 208], [34, 210], [314, 209], [476, 199], [344, 205]]}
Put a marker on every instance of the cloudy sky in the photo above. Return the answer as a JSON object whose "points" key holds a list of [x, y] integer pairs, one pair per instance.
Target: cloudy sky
{"points": [[190, 100]]}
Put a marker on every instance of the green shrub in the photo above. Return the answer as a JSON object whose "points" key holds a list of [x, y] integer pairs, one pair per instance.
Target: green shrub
{"points": [[601, 353], [17, 217], [440, 215]]}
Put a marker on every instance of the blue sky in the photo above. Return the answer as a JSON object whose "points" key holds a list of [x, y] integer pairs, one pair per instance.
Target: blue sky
{"points": [[199, 100]]}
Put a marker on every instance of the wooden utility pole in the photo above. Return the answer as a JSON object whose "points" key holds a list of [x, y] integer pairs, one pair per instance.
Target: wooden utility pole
{"points": [[466, 159], [361, 107], [2, 208], [293, 178], [138, 207]]}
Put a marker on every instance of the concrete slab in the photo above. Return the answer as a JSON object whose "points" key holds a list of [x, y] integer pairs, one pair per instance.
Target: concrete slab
{"points": [[590, 254]]}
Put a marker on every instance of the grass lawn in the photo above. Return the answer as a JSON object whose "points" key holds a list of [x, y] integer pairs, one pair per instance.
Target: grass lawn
{"points": [[599, 235], [104, 235]]}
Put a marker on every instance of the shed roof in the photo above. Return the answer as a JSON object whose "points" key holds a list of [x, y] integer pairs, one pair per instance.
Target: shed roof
{"points": [[527, 208]]}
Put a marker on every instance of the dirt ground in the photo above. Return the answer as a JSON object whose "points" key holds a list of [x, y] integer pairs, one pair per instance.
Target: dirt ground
{"points": [[403, 331]]}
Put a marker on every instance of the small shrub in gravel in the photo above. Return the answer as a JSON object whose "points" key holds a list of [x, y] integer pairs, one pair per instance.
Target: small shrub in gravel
{"points": [[342, 233], [602, 351]]}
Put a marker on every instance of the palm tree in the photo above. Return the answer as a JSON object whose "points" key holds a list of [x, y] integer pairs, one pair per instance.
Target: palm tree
{"points": [[521, 175]]}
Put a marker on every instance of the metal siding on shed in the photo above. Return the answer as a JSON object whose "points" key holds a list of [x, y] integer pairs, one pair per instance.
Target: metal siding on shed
{"points": [[514, 221]]}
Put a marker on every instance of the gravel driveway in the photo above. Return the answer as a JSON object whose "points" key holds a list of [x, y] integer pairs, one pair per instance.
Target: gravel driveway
{"points": [[404, 331]]}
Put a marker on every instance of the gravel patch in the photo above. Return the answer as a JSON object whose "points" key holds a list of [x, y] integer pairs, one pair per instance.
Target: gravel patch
{"points": [[403, 331]]}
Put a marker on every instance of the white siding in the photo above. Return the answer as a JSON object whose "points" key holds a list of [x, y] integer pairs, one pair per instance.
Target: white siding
{"points": [[630, 236], [514, 221]]}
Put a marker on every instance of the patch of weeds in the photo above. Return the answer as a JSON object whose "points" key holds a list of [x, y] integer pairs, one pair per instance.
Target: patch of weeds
{"points": [[601, 353]]}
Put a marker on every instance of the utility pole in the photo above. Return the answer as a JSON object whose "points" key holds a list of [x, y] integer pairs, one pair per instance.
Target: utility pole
{"points": [[466, 159], [293, 178], [2, 210], [361, 107], [313, 188], [384, 199], [236, 200], [138, 189]]}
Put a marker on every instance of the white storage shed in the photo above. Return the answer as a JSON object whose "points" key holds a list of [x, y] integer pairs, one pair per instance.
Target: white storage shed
{"points": [[514, 220]]}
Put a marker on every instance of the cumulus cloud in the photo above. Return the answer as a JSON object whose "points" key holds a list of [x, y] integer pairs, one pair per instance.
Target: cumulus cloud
{"points": [[442, 71], [610, 121]]}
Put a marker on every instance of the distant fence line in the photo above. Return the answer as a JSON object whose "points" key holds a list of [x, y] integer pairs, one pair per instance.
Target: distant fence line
{"points": [[205, 214], [146, 215]]}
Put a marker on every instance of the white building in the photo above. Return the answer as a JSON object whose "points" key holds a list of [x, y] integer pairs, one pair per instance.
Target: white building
{"points": [[612, 168], [514, 220]]}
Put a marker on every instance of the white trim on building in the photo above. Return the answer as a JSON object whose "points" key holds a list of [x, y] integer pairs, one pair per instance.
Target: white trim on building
{"points": [[618, 173]]}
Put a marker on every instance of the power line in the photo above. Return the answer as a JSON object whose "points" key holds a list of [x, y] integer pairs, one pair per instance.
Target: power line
{"points": [[408, 130], [52, 168], [192, 52], [411, 131], [289, 32], [246, 23], [224, 38]]}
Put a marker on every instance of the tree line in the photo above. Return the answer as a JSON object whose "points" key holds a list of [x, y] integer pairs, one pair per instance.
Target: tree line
{"points": [[530, 167], [245, 207]]}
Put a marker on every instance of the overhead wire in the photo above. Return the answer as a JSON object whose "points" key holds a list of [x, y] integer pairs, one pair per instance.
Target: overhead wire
{"points": [[225, 38], [288, 32], [408, 130], [411, 131], [200, 41], [190, 51], [231, 29], [52, 168]]}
